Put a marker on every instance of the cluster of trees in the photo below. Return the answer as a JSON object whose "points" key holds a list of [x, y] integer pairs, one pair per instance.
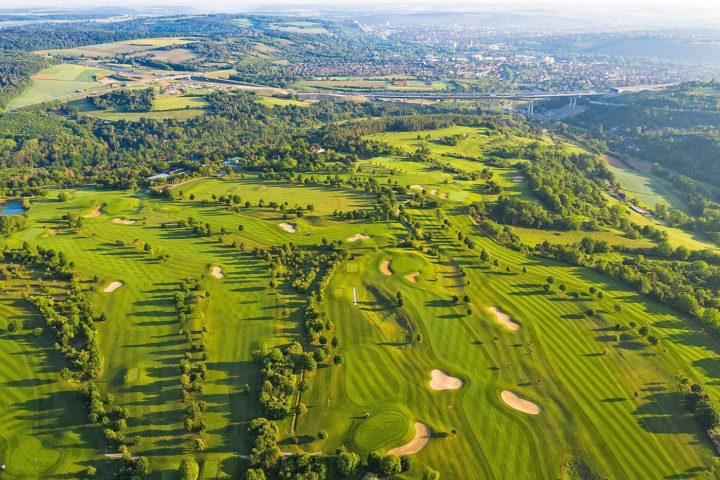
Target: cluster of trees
{"points": [[71, 317], [113, 422], [192, 366], [278, 370], [12, 223], [266, 74], [569, 184], [266, 461], [130, 100], [701, 405]]}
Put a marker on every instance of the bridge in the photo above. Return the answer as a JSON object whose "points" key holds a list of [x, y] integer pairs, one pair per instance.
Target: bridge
{"points": [[529, 96]]}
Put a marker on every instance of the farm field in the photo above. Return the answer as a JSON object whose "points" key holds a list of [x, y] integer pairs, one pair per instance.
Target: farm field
{"points": [[492, 376], [59, 81], [113, 48], [648, 190]]}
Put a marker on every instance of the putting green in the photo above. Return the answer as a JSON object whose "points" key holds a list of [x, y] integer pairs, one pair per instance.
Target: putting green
{"points": [[380, 430], [28, 457]]}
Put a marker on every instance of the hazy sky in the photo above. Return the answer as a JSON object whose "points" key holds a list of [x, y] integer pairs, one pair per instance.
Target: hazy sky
{"points": [[681, 5], [705, 13]]}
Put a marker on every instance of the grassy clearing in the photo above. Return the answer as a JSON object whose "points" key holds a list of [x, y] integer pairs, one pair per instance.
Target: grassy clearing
{"points": [[59, 81], [308, 28], [178, 107], [281, 102]]}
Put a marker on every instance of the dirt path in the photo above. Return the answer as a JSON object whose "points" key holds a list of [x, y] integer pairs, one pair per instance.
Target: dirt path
{"points": [[385, 268], [442, 381], [504, 319], [421, 438], [520, 404]]}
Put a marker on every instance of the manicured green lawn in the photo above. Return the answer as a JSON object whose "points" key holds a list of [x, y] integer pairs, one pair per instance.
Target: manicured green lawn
{"points": [[608, 403]]}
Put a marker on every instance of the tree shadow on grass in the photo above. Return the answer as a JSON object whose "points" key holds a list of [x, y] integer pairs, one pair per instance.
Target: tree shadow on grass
{"points": [[664, 413]]}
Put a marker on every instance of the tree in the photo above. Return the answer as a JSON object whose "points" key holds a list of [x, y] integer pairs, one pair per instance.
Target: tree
{"points": [[390, 465], [431, 474], [301, 409], [254, 474], [322, 434], [15, 325], [347, 463], [338, 359], [189, 469], [405, 463]]}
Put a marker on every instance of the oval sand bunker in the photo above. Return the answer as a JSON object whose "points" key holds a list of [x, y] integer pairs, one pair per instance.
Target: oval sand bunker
{"points": [[385, 268], [504, 319], [289, 228], [421, 438], [513, 400], [217, 272], [442, 381], [113, 286]]}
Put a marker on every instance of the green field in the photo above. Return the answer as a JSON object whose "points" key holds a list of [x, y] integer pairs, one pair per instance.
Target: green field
{"points": [[59, 81], [178, 107], [281, 102], [112, 48], [608, 405], [648, 190]]}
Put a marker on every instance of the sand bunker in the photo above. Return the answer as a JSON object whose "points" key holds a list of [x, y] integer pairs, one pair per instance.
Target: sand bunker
{"points": [[217, 272], [433, 192], [385, 268], [504, 319], [412, 277], [357, 236], [123, 221], [443, 381], [288, 227], [443, 195], [421, 438], [513, 400], [518, 178], [95, 213], [417, 187], [50, 232], [113, 286]]}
